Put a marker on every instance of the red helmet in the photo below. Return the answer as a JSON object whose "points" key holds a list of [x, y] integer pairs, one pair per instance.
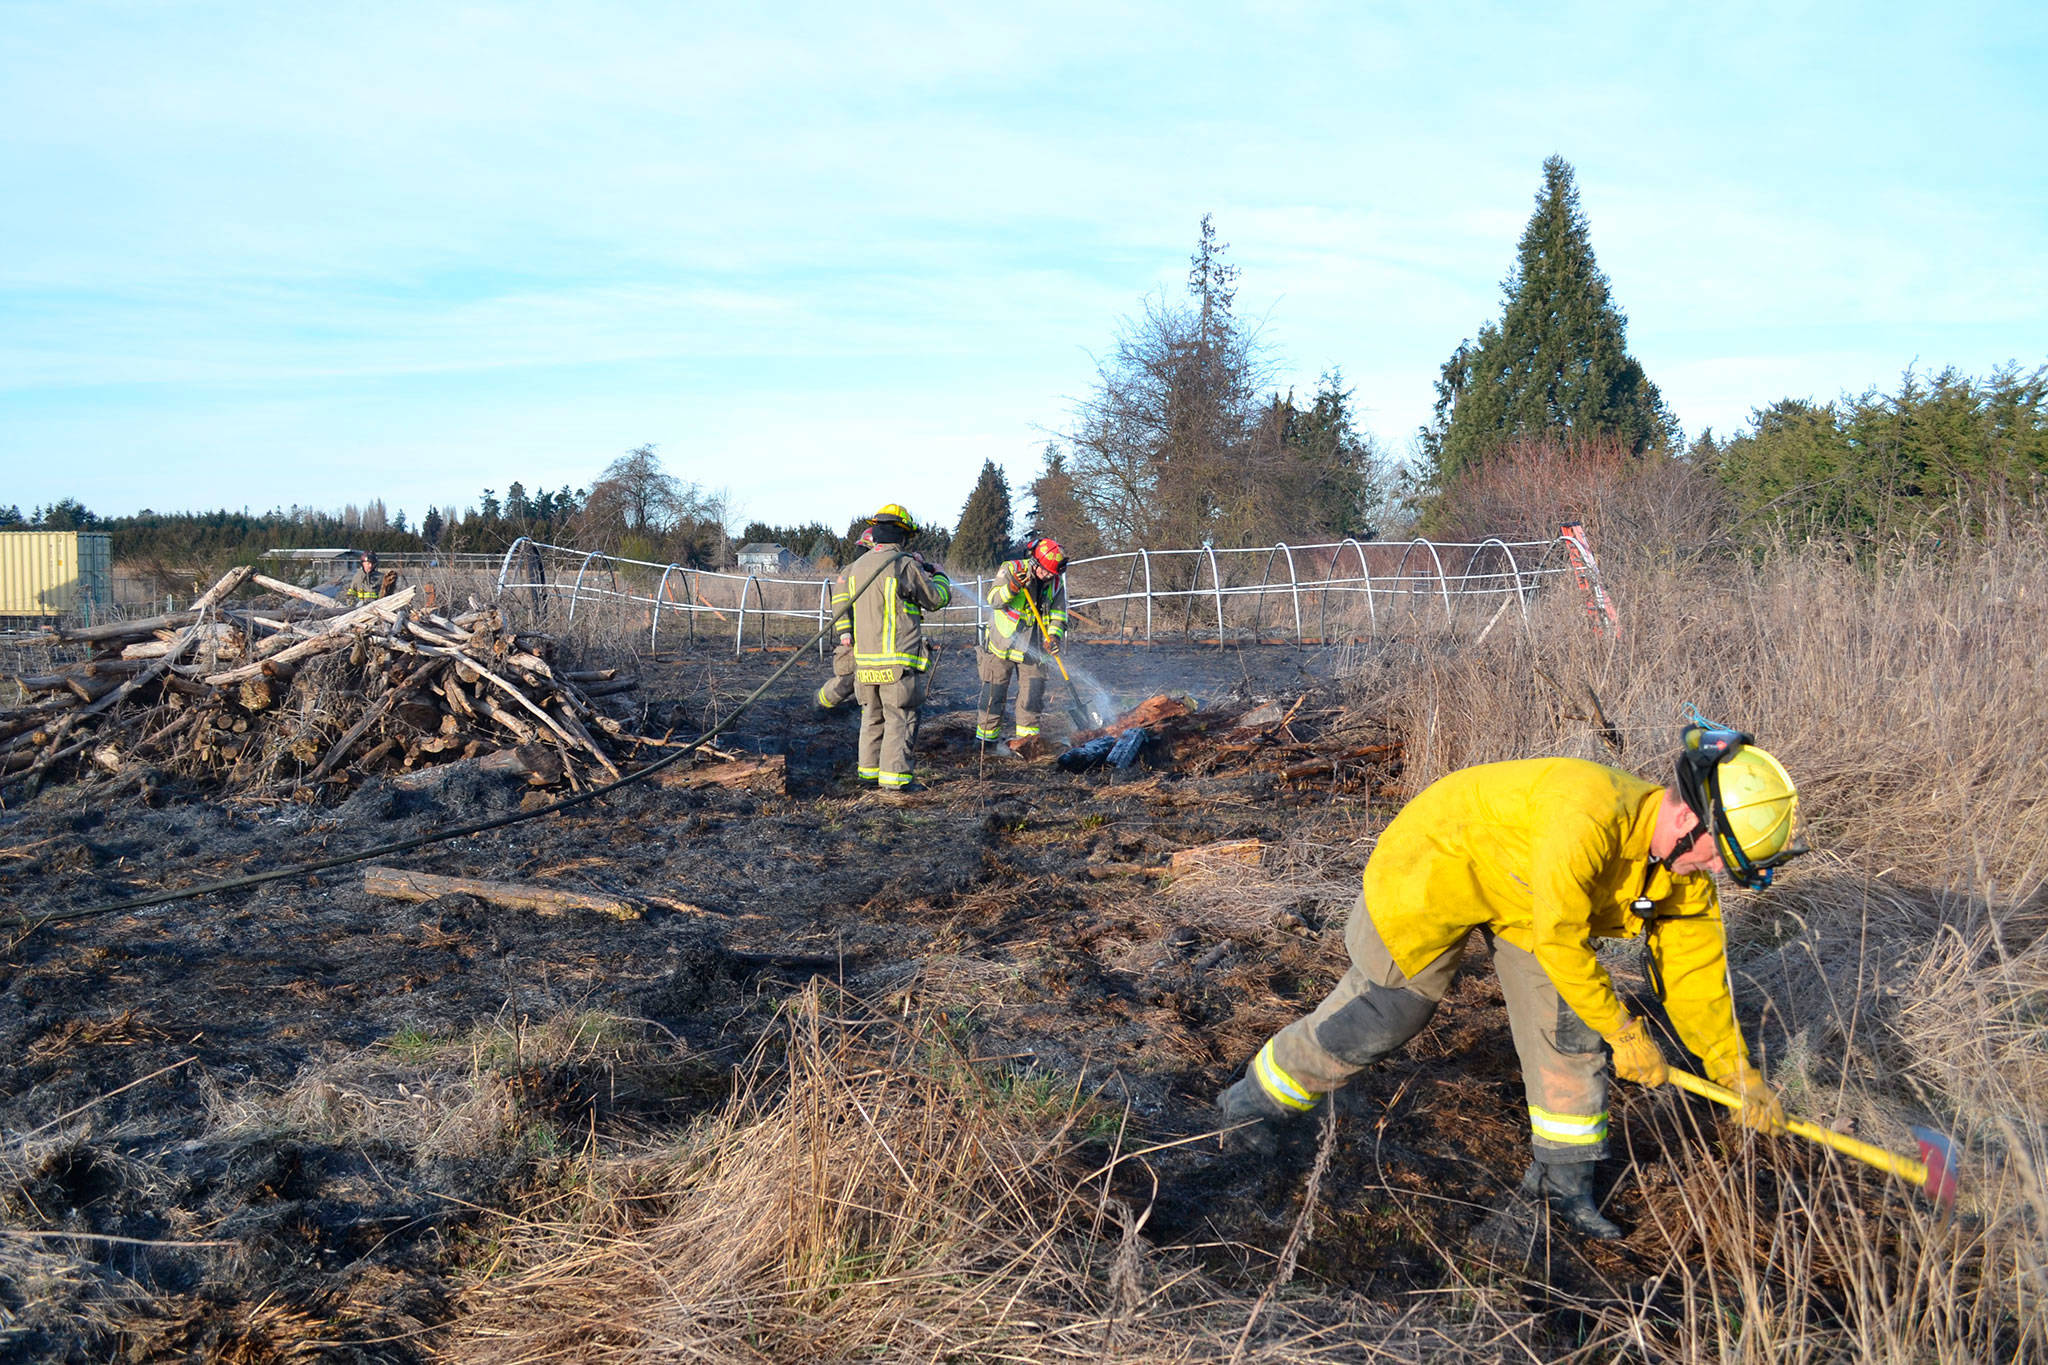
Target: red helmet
{"points": [[1049, 555]]}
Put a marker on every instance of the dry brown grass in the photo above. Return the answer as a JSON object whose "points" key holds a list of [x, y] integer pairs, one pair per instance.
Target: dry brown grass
{"points": [[873, 1193], [1899, 973]]}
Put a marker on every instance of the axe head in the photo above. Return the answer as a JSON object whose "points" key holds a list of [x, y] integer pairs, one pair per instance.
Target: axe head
{"points": [[1938, 1154]]}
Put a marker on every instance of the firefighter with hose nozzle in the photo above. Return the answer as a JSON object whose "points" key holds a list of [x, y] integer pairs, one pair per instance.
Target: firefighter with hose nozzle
{"points": [[1542, 857], [1027, 622]]}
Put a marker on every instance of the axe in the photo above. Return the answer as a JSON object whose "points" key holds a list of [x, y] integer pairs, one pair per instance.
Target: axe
{"points": [[1934, 1172]]}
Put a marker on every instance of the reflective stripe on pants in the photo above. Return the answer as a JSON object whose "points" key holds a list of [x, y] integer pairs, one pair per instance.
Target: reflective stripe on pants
{"points": [[995, 672], [1376, 1009], [889, 715]]}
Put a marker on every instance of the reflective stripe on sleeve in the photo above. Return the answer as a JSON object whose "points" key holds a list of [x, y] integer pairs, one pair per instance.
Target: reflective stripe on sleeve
{"points": [[1279, 1084], [1571, 1130]]}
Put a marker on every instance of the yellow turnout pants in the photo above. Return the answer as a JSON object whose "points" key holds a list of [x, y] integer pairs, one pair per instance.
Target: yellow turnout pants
{"points": [[888, 727]]}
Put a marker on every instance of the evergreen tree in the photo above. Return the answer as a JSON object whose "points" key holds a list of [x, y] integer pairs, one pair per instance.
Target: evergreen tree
{"points": [[1056, 512], [1557, 363], [1335, 478], [66, 514], [430, 526], [982, 539], [1877, 465]]}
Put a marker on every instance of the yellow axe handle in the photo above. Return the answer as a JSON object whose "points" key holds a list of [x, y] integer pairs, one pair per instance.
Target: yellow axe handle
{"points": [[1905, 1167], [1043, 633]]}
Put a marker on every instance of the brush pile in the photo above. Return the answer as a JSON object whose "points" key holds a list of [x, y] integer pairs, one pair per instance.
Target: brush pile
{"points": [[1334, 745], [297, 689]]}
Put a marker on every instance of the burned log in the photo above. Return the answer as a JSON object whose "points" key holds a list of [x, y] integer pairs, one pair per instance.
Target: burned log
{"points": [[769, 772], [396, 884]]}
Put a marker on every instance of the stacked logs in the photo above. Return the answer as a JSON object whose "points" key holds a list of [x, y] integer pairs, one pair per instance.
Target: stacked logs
{"points": [[298, 689]]}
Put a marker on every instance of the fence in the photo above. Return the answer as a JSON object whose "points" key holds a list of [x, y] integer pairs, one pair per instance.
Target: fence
{"points": [[1347, 590]]}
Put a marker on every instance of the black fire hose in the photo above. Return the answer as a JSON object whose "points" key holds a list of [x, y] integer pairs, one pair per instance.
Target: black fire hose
{"points": [[32, 923]]}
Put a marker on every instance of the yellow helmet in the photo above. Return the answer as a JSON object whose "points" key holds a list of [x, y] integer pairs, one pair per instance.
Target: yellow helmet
{"points": [[1744, 796], [895, 511]]}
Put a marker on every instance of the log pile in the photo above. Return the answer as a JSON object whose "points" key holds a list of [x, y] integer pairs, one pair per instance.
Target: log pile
{"points": [[296, 689]]}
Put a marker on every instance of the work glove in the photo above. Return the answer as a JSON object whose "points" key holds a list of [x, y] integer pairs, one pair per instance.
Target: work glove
{"points": [[1760, 1108], [1052, 643], [1636, 1057]]}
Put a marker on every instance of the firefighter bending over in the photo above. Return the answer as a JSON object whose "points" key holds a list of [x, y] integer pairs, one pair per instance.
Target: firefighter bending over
{"points": [[1542, 856], [1016, 646], [891, 658]]}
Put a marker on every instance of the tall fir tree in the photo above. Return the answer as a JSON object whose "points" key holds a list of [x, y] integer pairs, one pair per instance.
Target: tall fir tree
{"points": [[1557, 363], [982, 540], [1056, 512]]}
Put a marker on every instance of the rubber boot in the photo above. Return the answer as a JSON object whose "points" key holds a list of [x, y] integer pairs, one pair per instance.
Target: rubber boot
{"points": [[1569, 1191], [1246, 1102]]}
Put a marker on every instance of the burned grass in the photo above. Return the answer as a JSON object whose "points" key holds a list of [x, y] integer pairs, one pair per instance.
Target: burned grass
{"points": [[919, 1079]]}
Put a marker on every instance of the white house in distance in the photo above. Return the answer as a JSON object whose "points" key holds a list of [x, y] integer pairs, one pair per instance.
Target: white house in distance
{"points": [[765, 557]]}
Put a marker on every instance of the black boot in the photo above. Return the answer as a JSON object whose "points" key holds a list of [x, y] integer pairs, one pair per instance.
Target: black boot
{"points": [[1246, 1102], [1568, 1188]]}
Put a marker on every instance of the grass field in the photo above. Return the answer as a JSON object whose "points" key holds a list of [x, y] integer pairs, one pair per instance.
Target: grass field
{"points": [[872, 1193]]}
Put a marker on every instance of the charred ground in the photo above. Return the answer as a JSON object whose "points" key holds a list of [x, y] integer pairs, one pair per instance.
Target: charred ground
{"points": [[286, 1172]]}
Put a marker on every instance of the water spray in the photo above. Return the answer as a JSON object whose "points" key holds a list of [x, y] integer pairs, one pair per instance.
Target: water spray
{"points": [[1084, 717]]}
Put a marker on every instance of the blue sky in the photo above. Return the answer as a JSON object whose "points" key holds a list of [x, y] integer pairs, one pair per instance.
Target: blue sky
{"points": [[828, 256]]}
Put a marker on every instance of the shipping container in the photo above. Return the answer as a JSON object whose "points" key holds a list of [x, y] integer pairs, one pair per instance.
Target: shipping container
{"points": [[46, 576]]}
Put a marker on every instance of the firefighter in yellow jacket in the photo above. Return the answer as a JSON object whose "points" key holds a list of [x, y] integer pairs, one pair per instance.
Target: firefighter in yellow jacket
{"points": [[880, 601], [1543, 856], [1015, 647]]}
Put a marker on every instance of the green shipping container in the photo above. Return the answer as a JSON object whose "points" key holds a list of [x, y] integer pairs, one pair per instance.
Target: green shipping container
{"points": [[48, 575]]}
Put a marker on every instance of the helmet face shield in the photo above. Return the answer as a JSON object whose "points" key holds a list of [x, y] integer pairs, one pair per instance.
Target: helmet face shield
{"points": [[1743, 797]]}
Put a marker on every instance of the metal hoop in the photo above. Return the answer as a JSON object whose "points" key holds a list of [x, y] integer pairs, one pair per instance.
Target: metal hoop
{"points": [[660, 595], [576, 593]]}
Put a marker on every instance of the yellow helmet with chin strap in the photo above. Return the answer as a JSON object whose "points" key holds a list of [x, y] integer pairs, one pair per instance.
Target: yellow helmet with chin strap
{"points": [[1744, 797], [895, 512]]}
